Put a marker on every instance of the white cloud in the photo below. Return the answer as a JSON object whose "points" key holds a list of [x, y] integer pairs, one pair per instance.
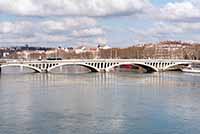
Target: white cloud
{"points": [[67, 24], [22, 7], [6, 27], [13, 39], [168, 31], [51, 38], [88, 32], [73, 7], [36, 39], [49, 26], [101, 40], [176, 28], [21, 27], [86, 21], [185, 10], [43, 31]]}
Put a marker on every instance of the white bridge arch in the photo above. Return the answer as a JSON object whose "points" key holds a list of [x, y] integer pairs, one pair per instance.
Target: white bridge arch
{"points": [[92, 68], [176, 64], [22, 65], [148, 67]]}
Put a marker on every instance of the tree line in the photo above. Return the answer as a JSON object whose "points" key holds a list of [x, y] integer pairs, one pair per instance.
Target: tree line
{"points": [[163, 50]]}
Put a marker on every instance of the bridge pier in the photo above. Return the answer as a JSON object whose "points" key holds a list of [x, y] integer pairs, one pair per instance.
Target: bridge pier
{"points": [[61, 68], [21, 68], [103, 71]]}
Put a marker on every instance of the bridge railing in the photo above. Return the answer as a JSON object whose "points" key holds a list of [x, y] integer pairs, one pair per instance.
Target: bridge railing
{"points": [[21, 61]]}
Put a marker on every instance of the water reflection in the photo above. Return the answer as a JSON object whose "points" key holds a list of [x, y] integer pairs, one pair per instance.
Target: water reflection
{"points": [[16, 70], [104, 80], [99, 103], [71, 69]]}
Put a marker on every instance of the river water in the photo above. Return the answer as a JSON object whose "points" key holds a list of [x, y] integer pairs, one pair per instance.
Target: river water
{"points": [[100, 103]]}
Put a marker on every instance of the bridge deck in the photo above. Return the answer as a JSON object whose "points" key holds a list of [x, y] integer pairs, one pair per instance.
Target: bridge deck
{"points": [[98, 65]]}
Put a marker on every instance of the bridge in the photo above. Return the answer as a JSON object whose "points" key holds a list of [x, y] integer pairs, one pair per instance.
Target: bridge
{"points": [[98, 65]]}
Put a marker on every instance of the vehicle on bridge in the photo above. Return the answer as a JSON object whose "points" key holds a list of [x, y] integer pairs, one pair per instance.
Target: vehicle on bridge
{"points": [[54, 58]]}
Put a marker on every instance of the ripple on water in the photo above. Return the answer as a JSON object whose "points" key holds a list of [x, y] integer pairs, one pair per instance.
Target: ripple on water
{"points": [[103, 103]]}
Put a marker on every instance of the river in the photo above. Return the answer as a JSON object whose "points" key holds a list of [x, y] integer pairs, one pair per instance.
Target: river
{"points": [[100, 103]]}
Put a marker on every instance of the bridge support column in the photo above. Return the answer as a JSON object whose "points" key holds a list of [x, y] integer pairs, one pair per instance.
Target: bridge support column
{"points": [[61, 68], [21, 68], [103, 70]]}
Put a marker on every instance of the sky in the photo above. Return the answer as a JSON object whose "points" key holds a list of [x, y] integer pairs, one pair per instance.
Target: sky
{"points": [[117, 23]]}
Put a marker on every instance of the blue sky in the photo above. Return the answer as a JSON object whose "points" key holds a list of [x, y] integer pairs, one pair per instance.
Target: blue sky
{"points": [[118, 23], [161, 2]]}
